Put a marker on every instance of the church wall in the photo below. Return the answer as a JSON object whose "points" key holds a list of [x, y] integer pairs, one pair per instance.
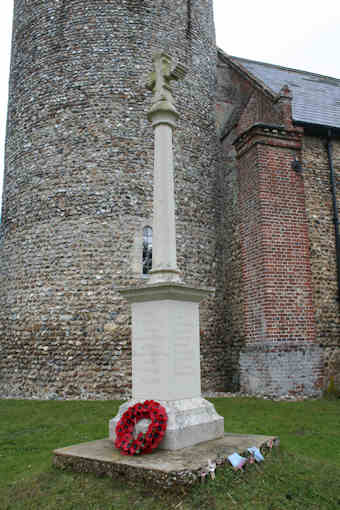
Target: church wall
{"points": [[240, 106], [78, 192], [78, 188], [259, 109], [277, 349], [233, 93], [280, 355], [230, 274], [319, 209]]}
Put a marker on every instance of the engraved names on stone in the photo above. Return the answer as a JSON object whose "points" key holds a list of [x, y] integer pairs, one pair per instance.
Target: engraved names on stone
{"points": [[166, 361]]}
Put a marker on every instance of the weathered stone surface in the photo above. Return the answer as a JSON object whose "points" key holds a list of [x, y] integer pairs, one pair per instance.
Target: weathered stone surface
{"points": [[286, 368], [190, 421], [162, 468]]}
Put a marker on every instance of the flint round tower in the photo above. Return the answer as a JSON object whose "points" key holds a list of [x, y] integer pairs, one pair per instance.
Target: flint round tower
{"points": [[78, 187]]}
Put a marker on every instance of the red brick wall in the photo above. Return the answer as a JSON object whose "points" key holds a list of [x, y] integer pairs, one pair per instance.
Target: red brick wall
{"points": [[259, 109], [275, 248], [276, 272], [266, 238]]}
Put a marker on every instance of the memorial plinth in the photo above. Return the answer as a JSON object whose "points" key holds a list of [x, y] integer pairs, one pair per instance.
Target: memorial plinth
{"points": [[165, 344], [165, 313], [166, 362]]}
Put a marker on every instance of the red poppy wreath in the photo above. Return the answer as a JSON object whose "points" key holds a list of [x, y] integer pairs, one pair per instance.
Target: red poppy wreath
{"points": [[143, 443]]}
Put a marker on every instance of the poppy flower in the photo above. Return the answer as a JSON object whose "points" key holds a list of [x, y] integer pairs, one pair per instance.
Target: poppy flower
{"points": [[144, 443]]}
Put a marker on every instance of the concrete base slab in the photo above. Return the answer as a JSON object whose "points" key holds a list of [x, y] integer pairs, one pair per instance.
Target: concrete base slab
{"points": [[163, 468]]}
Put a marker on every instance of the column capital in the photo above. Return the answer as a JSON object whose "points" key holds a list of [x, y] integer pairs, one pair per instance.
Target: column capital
{"points": [[163, 112]]}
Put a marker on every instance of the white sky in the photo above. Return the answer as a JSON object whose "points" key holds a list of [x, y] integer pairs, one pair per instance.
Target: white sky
{"points": [[301, 34]]}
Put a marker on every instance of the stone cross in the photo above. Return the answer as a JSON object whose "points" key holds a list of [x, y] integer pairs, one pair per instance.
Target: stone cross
{"points": [[163, 116], [160, 79]]}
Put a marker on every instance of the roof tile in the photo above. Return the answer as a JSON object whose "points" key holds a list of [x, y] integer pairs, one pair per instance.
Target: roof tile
{"points": [[316, 98]]}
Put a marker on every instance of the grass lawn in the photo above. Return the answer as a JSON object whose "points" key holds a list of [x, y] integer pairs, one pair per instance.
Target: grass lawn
{"points": [[303, 473]]}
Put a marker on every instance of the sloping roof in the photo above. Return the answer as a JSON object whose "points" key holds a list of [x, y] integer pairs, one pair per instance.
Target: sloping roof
{"points": [[316, 98]]}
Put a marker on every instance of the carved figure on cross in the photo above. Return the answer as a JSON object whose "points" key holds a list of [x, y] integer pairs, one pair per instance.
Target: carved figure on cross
{"points": [[160, 78]]}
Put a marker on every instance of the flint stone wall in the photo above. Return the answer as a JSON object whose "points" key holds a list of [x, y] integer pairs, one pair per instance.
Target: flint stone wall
{"points": [[78, 188], [281, 369], [320, 214]]}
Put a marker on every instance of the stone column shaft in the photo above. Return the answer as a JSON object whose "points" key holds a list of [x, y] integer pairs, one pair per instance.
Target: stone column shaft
{"points": [[164, 261]]}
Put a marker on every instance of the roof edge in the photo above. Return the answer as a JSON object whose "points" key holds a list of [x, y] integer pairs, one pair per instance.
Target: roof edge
{"points": [[283, 68], [318, 129], [258, 84]]}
